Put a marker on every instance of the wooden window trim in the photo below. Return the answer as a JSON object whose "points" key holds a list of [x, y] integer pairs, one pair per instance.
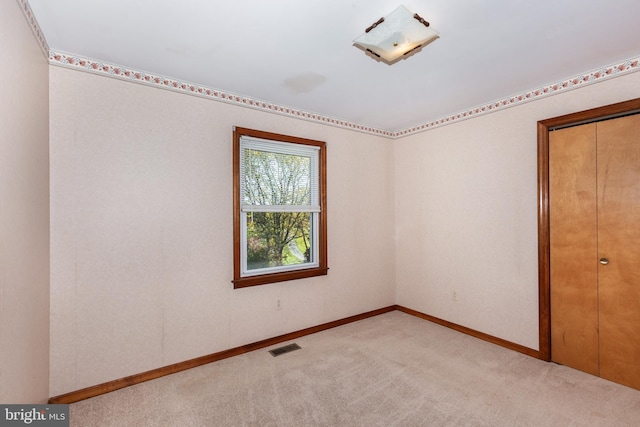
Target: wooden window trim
{"points": [[263, 279]]}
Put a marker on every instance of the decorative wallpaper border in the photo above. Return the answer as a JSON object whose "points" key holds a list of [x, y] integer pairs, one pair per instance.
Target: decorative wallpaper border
{"points": [[604, 73], [99, 67], [31, 19], [110, 70]]}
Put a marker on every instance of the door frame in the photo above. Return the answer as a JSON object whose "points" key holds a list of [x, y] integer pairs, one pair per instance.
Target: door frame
{"points": [[544, 256]]}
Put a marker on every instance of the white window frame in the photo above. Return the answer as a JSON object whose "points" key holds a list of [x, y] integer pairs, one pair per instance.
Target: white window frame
{"points": [[251, 143]]}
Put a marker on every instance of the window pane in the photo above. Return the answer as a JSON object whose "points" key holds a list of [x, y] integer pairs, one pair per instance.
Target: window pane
{"points": [[278, 239], [276, 179]]}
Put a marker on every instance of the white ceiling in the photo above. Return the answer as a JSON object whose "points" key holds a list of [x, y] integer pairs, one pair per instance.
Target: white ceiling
{"points": [[300, 54]]}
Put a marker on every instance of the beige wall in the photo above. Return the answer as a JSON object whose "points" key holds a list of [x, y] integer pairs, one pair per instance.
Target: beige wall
{"points": [[24, 212], [141, 215], [466, 221]]}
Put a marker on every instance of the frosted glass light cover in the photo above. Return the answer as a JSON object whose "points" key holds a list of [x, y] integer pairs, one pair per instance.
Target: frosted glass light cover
{"points": [[397, 35]]}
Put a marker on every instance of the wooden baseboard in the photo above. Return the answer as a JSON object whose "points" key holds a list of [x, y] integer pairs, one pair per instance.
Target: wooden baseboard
{"points": [[110, 386], [96, 390], [480, 335]]}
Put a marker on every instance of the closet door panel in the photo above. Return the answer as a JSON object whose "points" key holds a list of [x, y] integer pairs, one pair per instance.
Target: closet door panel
{"points": [[619, 244], [573, 240]]}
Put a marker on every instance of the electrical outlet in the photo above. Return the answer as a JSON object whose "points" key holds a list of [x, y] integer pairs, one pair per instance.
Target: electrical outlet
{"points": [[278, 305]]}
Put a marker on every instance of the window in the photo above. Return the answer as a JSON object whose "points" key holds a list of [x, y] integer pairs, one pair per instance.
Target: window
{"points": [[279, 198]]}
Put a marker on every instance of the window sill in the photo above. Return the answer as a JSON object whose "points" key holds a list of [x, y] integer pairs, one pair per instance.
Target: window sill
{"points": [[244, 282]]}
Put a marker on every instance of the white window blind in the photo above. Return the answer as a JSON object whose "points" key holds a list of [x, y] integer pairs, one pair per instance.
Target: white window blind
{"points": [[278, 176]]}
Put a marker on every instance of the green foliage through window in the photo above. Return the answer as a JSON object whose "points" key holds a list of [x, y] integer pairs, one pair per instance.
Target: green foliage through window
{"points": [[277, 179]]}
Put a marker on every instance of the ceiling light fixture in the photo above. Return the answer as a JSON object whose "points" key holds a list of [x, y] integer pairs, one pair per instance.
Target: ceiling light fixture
{"points": [[399, 35]]}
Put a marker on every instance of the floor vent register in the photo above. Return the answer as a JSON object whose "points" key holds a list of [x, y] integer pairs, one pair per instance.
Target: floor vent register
{"points": [[282, 350]]}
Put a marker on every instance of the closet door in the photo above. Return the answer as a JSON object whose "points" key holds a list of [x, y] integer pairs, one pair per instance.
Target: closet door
{"points": [[573, 247], [618, 155]]}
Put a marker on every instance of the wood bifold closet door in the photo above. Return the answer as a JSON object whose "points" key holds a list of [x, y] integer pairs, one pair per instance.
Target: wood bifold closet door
{"points": [[594, 199]]}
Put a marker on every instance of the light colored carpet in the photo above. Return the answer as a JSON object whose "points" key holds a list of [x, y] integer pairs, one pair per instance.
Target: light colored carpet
{"points": [[389, 370]]}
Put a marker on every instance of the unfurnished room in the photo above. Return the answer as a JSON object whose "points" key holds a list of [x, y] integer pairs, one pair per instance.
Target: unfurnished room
{"points": [[320, 213]]}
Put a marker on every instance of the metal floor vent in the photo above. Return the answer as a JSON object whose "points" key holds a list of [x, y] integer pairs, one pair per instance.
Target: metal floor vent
{"points": [[282, 350]]}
